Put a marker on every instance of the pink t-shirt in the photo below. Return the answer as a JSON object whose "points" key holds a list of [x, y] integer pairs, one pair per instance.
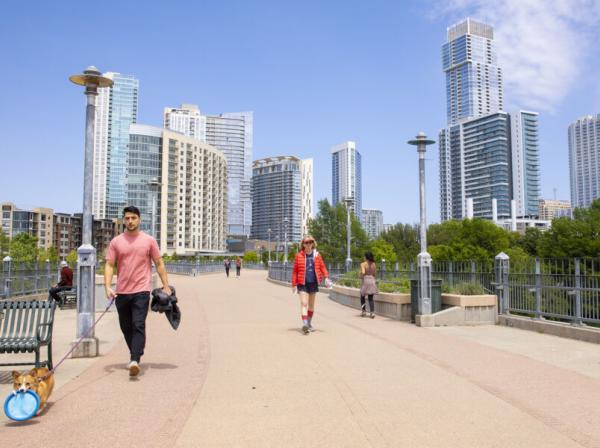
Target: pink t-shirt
{"points": [[133, 256]]}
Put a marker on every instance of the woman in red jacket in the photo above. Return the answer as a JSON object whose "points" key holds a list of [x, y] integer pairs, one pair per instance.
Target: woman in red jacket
{"points": [[308, 272]]}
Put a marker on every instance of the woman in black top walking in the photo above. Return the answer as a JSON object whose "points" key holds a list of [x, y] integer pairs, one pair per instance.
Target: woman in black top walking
{"points": [[368, 287]]}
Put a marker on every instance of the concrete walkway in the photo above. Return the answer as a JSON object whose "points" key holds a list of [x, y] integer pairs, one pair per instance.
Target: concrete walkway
{"points": [[239, 373]]}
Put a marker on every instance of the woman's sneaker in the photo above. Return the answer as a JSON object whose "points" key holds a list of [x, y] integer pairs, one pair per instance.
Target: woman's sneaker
{"points": [[305, 329], [363, 313], [372, 315]]}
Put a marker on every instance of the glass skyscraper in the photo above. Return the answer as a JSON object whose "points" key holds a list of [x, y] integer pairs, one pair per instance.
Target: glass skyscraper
{"points": [[346, 175], [116, 110], [473, 77], [584, 160], [485, 153], [232, 133]]}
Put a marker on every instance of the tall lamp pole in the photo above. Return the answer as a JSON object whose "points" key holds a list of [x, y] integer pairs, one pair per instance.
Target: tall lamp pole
{"points": [[285, 229], [154, 184], [423, 259], [269, 232], [349, 201], [91, 79]]}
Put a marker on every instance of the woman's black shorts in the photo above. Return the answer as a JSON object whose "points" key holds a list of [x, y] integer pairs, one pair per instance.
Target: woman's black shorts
{"points": [[309, 288]]}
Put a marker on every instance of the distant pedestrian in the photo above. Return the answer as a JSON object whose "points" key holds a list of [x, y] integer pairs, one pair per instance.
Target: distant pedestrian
{"points": [[308, 272], [132, 253], [227, 264], [238, 266], [368, 287], [65, 283]]}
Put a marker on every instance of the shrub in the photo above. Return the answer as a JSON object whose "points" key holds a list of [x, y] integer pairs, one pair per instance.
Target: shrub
{"points": [[468, 289]]}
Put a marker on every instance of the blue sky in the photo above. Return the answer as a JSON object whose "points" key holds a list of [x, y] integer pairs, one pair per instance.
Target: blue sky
{"points": [[314, 73]]}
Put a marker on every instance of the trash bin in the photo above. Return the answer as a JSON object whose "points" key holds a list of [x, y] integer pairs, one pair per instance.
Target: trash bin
{"points": [[436, 297]]}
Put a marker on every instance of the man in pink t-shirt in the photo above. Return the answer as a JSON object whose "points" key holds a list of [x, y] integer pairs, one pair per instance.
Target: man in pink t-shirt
{"points": [[132, 253]]}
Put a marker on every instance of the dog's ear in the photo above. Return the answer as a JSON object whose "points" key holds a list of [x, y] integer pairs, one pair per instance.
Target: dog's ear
{"points": [[15, 374], [33, 373]]}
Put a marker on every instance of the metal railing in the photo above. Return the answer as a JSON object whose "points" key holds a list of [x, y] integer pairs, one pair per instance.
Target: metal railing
{"points": [[20, 279], [563, 290]]}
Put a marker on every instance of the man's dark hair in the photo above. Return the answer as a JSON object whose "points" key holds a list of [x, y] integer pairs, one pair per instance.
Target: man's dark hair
{"points": [[131, 209]]}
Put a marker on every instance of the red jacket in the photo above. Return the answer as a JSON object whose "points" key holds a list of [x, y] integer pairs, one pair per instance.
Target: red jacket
{"points": [[299, 270]]}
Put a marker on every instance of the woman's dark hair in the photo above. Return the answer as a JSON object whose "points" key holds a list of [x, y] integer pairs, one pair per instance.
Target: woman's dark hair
{"points": [[369, 256], [131, 209]]}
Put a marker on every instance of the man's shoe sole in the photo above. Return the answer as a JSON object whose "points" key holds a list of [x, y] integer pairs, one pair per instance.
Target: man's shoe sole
{"points": [[134, 370]]}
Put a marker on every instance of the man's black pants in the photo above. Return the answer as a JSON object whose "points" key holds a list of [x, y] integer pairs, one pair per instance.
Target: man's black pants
{"points": [[53, 292], [133, 310]]}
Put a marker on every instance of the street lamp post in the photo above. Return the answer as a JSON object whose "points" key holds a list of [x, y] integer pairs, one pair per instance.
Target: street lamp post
{"points": [[92, 79], [269, 232], [423, 259], [285, 229], [154, 184], [349, 201]]}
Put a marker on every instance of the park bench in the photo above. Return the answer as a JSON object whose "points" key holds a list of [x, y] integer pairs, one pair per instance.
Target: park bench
{"points": [[68, 298], [26, 326]]}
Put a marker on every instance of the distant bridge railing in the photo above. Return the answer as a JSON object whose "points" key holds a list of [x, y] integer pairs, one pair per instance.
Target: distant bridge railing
{"points": [[195, 268], [563, 290]]}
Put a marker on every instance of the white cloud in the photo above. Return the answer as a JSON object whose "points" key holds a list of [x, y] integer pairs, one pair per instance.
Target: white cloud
{"points": [[542, 44]]}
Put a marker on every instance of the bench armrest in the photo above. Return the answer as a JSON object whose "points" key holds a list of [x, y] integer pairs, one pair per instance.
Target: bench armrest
{"points": [[44, 324]]}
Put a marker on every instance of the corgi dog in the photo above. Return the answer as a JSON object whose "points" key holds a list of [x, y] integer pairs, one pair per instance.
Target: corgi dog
{"points": [[34, 380]]}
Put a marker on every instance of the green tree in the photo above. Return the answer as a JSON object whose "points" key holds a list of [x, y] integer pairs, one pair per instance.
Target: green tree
{"points": [[577, 237], [71, 258], [329, 229], [23, 249], [50, 254], [4, 245], [405, 240], [251, 257], [529, 240], [469, 239], [382, 250]]}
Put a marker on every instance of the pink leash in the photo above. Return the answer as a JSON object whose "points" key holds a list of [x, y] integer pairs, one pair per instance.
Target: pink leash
{"points": [[79, 341]]}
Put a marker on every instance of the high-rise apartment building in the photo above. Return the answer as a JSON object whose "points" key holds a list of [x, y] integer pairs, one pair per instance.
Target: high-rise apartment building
{"points": [[59, 230], [186, 119], [485, 153], [552, 208], [281, 198], [473, 77], [475, 163], [116, 110], [232, 133], [584, 160], [180, 186], [346, 181], [525, 162], [372, 222], [306, 174]]}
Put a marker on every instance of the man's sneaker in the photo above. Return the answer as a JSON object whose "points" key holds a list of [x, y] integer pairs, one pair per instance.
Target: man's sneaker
{"points": [[363, 313], [305, 329], [134, 368], [310, 327], [372, 315]]}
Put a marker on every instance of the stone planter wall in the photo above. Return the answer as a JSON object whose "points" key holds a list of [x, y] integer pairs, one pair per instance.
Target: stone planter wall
{"points": [[392, 305], [463, 310]]}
